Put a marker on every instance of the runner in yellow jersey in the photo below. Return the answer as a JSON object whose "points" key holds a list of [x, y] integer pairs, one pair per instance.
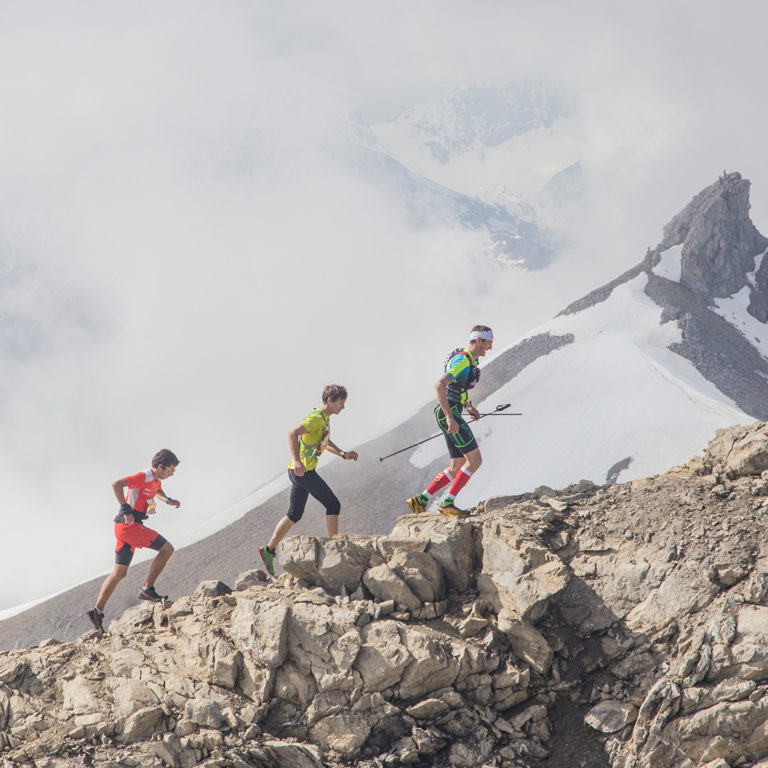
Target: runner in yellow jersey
{"points": [[307, 442]]}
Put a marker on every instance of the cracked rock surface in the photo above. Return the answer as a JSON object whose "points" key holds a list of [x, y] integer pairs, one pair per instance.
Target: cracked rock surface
{"points": [[622, 625]]}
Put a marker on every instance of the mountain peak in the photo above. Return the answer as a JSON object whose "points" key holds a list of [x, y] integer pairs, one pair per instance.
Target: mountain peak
{"points": [[719, 241]]}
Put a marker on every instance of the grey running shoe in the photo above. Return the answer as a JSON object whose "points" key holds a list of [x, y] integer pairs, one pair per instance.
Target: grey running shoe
{"points": [[97, 619], [149, 593]]}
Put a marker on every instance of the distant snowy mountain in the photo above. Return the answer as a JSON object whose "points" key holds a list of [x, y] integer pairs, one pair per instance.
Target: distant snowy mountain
{"points": [[473, 160], [503, 145], [477, 117], [508, 238]]}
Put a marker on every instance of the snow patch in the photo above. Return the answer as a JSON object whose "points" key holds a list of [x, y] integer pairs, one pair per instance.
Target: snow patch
{"points": [[734, 310], [616, 391], [670, 264]]}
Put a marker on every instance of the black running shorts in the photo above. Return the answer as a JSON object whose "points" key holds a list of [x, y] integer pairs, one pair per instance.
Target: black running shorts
{"points": [[463, 442]]}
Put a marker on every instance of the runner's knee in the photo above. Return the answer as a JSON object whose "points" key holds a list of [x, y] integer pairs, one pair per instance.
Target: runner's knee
{"points": [[333, 506], [119, 572]]}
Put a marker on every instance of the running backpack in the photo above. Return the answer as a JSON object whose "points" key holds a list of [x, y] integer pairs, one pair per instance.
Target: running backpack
{"points": [[474, 372]]}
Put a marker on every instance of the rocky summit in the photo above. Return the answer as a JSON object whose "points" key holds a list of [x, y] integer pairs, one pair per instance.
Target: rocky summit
{"points": [[623, 625]]}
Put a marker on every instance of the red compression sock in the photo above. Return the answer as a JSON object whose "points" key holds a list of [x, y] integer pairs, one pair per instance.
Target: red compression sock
{"points": [[462, 478], [439, 482]]}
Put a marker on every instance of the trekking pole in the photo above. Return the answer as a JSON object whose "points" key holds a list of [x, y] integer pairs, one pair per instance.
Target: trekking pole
{"points": [[495, 412]]}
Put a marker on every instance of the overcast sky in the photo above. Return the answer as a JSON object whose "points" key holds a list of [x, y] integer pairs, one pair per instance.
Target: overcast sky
{"points": [[184, 262]]}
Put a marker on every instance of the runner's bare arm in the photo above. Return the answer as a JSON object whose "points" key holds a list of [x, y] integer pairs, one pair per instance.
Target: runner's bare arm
{"points": [[119, 490], [346, 455], [442, 398], [293, 442]]}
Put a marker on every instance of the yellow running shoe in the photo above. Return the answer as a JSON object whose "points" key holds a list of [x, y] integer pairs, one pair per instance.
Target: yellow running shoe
{"points": [[416, 505], [449, 509]]}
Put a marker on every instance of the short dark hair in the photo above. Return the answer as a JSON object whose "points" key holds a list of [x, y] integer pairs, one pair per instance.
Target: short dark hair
{"points": [[481, 328], [334, 392], [164, 458]]}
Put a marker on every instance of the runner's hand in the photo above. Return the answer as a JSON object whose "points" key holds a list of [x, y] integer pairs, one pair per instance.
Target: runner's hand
{"points": [[452, 426], [473, 412], [299, 469], [350, 455], [127, 512]]}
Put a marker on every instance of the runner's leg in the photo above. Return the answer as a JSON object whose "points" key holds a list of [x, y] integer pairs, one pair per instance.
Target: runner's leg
{"points": [[296, 505], [108, 587], [280, 532], [161, 560], [321, 491]]}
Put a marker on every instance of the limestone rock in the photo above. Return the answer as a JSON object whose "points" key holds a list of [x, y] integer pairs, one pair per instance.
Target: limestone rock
{"points": [[519, 574], [212, 588], [337, 564], [628, 621], [451, 544], [610, 716], [384, 584]]}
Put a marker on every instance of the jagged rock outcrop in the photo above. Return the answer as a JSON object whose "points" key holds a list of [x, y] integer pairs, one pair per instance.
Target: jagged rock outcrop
{"points": [[622, 625], [719, 240], [722, 253]]}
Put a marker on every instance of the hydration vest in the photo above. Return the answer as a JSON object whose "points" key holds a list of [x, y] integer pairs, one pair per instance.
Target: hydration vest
{"points": [[307, 450], [457, 391]]}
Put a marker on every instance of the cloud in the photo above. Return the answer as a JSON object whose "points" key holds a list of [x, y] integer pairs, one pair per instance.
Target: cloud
{"points": [[186, 256]]}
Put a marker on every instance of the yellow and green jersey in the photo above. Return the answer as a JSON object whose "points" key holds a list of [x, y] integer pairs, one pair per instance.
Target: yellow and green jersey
{"points": [[314, 441]]}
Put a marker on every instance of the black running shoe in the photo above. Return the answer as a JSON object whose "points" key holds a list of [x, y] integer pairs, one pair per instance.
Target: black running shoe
{"points": [[97, 619], [149, 593]]}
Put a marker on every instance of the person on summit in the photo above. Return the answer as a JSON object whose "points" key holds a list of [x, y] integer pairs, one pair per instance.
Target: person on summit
{"points": [[131, 533], [461, 374], [307, 442]]}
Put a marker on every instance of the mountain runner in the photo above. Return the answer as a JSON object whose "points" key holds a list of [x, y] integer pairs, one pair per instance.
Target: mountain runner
{"points": [[307, 442], [131, 533], [461, 374]]}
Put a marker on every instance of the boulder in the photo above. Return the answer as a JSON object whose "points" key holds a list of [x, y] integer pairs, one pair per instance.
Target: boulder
{"points": [[421, 573], [141, 725], [610, 716], [450, 543], [519, 574], [336, 564], [259, 629], [212, 588], [528, 644], [740, 450], [384, 584]]}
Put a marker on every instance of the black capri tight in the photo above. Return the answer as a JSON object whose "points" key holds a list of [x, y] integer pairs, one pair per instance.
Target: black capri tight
{"points": [[310, 483]]}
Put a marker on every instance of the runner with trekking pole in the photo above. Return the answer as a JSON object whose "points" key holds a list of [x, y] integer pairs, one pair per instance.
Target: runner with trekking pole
{"points": [[461, 374], [495, 412]]}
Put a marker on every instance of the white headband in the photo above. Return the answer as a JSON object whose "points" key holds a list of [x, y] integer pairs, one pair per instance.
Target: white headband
{"points": [[485, 335]]}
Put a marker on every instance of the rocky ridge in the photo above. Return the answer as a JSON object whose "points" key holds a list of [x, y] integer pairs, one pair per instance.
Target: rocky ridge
{"points": [[620, 625]]}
